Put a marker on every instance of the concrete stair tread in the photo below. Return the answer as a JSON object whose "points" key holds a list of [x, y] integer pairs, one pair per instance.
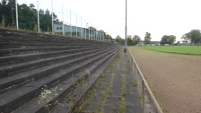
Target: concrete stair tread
{"points": [[44, 81], [35, 38], [18, 65], [60, 88], [11, 50], [34, 85], [32, 61], [31, 56], [9, 81], [62, 108]]}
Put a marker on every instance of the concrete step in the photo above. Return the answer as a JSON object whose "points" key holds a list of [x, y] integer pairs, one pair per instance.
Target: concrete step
{"points": [[4, 45], [5, 60], [12, 100], [33, 38], [12, 36], [25, 50], [32, 61], [8, 70], [80, 90], [8, 83], [13, 41], [65, 87]]}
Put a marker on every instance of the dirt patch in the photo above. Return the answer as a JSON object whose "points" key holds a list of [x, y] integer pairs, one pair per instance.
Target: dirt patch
{"points": [[174, 79]]}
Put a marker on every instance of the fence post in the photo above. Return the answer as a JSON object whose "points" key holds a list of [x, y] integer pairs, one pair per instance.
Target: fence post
{"points": [[143, 101]]}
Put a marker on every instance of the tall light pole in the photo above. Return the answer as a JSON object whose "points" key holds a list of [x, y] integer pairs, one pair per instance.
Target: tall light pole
{"points": [[70, 26], [63, 19], [81, 28], [125, 23], [52, 19], [76, 25], [38, 18], [89, 33], [16, 14], [85, 30]]}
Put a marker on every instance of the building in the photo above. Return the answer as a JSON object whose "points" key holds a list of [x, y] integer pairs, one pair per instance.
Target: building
{"points": [[155, 43], [73, 31]]}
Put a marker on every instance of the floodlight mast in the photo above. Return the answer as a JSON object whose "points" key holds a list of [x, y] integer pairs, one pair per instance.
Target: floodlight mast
{"points": [[38, 19], [52, 18], [63, 20], [16, 14], [125, 23]]}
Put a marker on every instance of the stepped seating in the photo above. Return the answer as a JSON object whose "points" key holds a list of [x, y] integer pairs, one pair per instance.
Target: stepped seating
{"points": [[30, 62]]}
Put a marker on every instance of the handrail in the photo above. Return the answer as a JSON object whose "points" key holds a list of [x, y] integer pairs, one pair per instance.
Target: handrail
{"points": [[158, 108]]}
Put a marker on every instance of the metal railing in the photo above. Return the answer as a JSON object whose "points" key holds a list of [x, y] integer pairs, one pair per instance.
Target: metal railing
{"points": [[143, 86]]}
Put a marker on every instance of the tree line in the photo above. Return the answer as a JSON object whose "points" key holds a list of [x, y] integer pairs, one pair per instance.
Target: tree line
{"points": [[27, 16], [193, 37], [134, 40]]}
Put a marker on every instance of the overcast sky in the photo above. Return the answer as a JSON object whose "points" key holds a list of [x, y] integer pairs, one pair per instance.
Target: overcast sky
{"points": [[159, 17]]}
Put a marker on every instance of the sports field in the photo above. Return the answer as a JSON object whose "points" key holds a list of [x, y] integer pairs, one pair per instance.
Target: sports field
{"points": [[175, 79], [192, 50]]}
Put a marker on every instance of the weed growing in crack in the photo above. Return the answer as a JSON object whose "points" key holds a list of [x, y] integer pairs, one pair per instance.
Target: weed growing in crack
{"points": [[135, 84], [114, 69], [140, 97], [73, 98], [70, 101], [78, 89], [100, 82], [93, 90], [123, 93], [122, 106], [123, 87], [46, 96]]}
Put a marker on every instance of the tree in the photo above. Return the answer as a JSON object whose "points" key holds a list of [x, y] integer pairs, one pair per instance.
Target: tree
{"points": [[130, 41], [147, 38], [108, 37], [27, 16], [172, 39], [46, 21], [119, 40], [185, 37], [7, 13], [194, 36], [136, 39], [31, 6], [3, 12], [11, 7], [167, 39]]}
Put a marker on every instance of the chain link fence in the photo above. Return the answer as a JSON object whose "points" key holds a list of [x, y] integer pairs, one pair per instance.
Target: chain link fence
{"points": [[48, 17]]}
